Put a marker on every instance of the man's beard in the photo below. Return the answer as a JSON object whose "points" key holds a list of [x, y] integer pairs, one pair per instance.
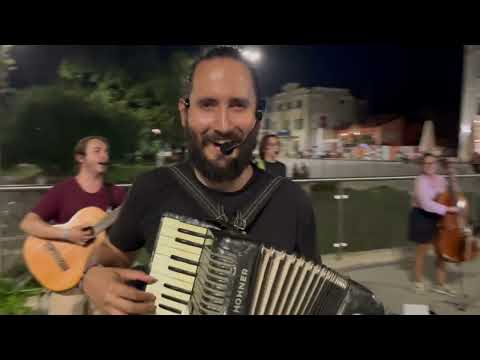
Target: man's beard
{"points": [[235, 166]]}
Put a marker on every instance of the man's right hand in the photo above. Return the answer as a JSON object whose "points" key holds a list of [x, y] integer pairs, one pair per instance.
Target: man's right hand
{"points": [[79, 235], [109, 293]]}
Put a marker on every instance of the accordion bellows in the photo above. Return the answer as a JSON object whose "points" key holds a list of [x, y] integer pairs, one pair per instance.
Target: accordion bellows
{"points": [[203, 270]]}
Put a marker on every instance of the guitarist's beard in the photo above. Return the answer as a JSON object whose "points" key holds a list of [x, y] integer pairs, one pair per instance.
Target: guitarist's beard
{"points": [[214, 173]]}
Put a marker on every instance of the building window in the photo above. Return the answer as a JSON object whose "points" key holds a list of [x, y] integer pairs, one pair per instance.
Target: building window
{"points": [[289, 106], [299, 124], [285, 125], [322, 122], [280, 107], [342, 102], [299, 104], [267, 124]]}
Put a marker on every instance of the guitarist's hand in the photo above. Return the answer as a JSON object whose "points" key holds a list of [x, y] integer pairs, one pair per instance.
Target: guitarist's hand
{"points": [[107, 289], [80, 235]]}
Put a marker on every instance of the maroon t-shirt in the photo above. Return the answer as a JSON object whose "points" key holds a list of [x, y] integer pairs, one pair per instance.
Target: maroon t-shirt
{"points": [[65, 199]]}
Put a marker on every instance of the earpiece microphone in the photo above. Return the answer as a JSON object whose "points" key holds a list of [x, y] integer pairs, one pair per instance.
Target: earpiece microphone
{"points": [[228, 148]]}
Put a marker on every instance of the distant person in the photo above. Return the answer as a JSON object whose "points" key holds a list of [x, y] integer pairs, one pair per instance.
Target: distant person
{"points": [[424, 219], [269, 152], [63, 201], [296, 172], [305, 171]]}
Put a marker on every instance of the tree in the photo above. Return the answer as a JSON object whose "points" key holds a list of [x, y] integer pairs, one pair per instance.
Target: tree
{"points": [[7, 64], [150, 94], [50, 121]]}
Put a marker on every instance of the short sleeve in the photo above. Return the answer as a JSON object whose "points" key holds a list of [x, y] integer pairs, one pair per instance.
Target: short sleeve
{"points": [[125, 234], [48, 207]]}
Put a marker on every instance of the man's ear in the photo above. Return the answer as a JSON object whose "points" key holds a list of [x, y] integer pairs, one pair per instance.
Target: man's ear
{"points": [[79, 159], [183, 106]]}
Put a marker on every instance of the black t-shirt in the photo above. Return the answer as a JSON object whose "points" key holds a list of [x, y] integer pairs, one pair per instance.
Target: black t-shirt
{"points": [[275, 168], [286, 223]]}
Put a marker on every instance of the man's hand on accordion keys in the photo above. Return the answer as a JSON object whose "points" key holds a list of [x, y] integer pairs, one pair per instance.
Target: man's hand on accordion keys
{"points": [[107, 288]]}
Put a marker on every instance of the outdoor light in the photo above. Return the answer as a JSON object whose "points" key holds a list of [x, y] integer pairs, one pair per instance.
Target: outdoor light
{"points": [[466, 129], [156, 131], [252, 55]]}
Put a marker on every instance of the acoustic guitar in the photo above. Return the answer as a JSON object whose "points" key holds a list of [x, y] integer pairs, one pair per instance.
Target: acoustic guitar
{"points": [[59, 265]]}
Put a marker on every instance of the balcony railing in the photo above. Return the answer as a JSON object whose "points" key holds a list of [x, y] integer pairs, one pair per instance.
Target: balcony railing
{"points": [[352, 214]]}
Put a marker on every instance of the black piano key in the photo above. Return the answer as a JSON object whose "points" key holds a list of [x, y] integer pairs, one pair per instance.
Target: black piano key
{"points": [[168, 308]]}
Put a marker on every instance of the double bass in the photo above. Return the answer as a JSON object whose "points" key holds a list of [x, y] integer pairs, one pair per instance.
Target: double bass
{"points": [[455, 242]]}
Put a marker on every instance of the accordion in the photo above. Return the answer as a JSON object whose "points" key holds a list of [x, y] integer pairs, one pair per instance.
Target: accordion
{"points": [[204, 270]]}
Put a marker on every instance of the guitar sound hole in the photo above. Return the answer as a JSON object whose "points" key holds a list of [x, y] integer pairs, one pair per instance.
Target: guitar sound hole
{"points": [[57, 256]]}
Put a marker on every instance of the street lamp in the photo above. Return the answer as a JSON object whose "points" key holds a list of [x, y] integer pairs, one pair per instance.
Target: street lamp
{"points": [[252, 55]]}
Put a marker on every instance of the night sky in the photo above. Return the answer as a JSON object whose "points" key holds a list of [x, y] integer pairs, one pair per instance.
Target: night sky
{"points": [[408, 80]]}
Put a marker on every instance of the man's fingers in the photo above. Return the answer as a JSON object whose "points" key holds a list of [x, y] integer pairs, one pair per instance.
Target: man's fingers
{"points": [[127, 274], [115, 312], [130, 293], [130, 307]]}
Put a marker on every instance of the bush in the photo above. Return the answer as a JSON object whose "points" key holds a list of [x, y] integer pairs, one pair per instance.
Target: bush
{"points": [[13, 298], [50, 121]]}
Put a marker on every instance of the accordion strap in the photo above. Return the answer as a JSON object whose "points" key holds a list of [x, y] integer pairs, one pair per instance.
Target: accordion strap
{"points": [[244, 218], [217, 213]]}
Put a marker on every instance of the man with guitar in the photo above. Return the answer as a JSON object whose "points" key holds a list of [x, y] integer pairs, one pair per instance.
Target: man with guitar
{"points": [[221, 115], [62, 202]]}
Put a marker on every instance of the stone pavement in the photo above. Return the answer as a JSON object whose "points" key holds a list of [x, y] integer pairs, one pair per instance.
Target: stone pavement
{"points": [[388, 273]]}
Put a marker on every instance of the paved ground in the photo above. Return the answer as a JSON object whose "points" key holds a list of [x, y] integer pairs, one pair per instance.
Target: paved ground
{"points": [[389, 275]]}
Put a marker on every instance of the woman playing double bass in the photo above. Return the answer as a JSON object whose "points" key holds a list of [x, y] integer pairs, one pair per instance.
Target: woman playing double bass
{"points": [[424, 220]]}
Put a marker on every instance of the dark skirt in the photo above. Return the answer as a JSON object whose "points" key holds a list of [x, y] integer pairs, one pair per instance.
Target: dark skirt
{"points": [[423, 226]]}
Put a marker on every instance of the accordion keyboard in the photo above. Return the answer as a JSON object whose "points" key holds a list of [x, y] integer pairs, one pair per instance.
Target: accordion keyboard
{"points": [[174, 263]]}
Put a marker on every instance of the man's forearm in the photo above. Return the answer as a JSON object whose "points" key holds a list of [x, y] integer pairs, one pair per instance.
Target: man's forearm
{"points": [[107, 255], [33, 225]]}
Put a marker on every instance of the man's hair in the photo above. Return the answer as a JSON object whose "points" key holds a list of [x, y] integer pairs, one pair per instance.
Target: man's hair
{"points": [[222, 52], [424, 156], [81, 147], [263, 144]]}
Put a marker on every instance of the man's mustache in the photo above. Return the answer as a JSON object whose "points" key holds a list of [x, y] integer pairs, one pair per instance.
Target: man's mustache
{"points": [[221, 138]]}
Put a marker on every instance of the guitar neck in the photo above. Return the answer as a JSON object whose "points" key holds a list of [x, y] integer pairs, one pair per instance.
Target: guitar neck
{"points": [[107, 222]]}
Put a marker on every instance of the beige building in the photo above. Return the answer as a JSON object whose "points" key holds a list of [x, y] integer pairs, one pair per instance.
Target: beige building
{"points": [[469, 137], [306, 117]]}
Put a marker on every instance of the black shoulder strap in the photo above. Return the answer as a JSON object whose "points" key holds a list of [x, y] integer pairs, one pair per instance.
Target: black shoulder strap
{"points": [[243, 218], [246, 217], [216, 212]]}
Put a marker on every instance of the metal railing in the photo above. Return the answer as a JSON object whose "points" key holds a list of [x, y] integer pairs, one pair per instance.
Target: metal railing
{"points": [[352, 213]]}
